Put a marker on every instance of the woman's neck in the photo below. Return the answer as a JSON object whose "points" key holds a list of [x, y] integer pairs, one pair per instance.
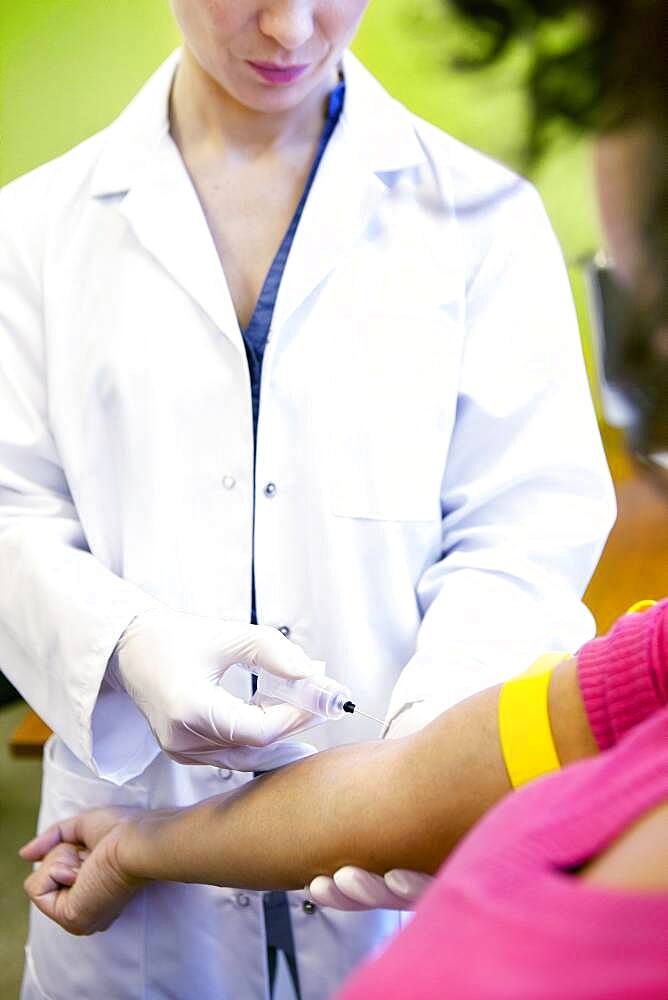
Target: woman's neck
{"points": [[203, 114]]}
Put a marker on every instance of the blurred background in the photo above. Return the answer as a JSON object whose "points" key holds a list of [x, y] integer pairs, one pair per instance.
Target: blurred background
{"points": [[68, 67]]}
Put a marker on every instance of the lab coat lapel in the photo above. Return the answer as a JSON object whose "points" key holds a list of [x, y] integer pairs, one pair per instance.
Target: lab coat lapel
{"points": [[373, 143], [167, 218], [142, 169], [340, 203]]}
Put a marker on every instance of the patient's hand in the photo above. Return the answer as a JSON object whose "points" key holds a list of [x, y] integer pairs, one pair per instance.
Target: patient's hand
{"points": [[79, 882]]}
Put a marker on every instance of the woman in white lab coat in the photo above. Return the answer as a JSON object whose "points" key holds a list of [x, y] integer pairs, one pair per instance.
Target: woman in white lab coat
{"points": [[386, 450]]}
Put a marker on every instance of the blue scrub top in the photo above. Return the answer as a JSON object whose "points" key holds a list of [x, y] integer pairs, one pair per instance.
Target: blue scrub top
{"points": [[278, 927], [256, 333]]}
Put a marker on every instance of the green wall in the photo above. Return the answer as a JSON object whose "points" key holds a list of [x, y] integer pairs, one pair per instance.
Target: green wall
{"points": [[68, 66]]}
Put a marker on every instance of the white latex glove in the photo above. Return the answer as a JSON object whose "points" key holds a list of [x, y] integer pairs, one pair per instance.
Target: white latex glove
{"points": [[355, 889], [171, 664]]}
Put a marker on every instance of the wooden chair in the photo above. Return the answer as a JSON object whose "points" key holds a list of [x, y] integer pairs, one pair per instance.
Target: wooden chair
{"points": [[29, 737], [634, 564]]}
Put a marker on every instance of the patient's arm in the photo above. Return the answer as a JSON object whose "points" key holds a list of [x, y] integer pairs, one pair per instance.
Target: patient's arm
{"points": [[385, 804], [381, 805], [376, 805], [395, 804]]}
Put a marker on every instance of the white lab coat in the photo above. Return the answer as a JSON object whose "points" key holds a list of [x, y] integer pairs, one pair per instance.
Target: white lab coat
{"points": [[441, 492]]}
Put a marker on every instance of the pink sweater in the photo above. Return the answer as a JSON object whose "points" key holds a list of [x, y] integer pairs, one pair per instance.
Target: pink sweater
{"points": [[506, 919]]}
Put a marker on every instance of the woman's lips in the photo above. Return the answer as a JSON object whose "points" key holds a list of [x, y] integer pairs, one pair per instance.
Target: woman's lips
{"points": [[272, 73]]}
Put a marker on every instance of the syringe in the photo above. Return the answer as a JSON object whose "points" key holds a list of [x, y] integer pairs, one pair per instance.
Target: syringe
{"points": [[318, 694]]}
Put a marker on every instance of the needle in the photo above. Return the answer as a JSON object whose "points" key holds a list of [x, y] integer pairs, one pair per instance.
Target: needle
{"points": [[351, 707]]}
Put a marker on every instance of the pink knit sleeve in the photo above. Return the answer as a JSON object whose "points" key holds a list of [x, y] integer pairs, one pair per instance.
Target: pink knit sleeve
{"points": [[624, 675]]}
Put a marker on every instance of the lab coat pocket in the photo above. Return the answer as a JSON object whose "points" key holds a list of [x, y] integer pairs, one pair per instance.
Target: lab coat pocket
{"points": [[391, 405], [31, 988], [372, 480], [108, 964], [68, 787]]}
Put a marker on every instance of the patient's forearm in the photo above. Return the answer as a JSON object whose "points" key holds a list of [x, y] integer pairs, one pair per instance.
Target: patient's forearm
{"points": [[391, 803], [381, 805]]}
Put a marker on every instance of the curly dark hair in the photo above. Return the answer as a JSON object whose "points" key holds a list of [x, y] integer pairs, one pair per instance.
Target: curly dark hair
{"points": [[600, 66], [606, 67], [595, 65]]}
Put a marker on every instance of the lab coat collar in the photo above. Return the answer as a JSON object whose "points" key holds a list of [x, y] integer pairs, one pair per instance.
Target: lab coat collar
{"points": [[136, 133], [141, 163], [374, 143], [376, 140], [381, 129], [379, 126]]}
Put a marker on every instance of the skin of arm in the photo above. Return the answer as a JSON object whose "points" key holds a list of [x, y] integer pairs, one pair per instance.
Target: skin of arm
{"points": [[386, 804], [401, 803]]}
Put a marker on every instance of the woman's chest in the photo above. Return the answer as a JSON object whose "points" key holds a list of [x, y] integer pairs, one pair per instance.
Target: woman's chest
{"points": [[248, 210], [359, 380]]}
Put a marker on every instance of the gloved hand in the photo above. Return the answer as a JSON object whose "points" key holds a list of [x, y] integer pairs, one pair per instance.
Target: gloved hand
{"points": [[171, 664], [355, 889]]}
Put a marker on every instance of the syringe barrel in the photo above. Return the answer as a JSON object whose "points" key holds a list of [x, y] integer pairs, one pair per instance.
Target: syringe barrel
{"points": [[318, 694]]}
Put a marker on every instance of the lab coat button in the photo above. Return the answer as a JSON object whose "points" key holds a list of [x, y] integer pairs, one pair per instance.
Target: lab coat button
{"points": [[242, 899], [224, 773], [308, 907], [270, 490], [229, 482], [284, 630]]}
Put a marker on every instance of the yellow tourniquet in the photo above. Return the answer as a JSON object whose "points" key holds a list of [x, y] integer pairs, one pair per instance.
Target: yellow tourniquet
{"points": [[641, 606], [524, 722]]}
